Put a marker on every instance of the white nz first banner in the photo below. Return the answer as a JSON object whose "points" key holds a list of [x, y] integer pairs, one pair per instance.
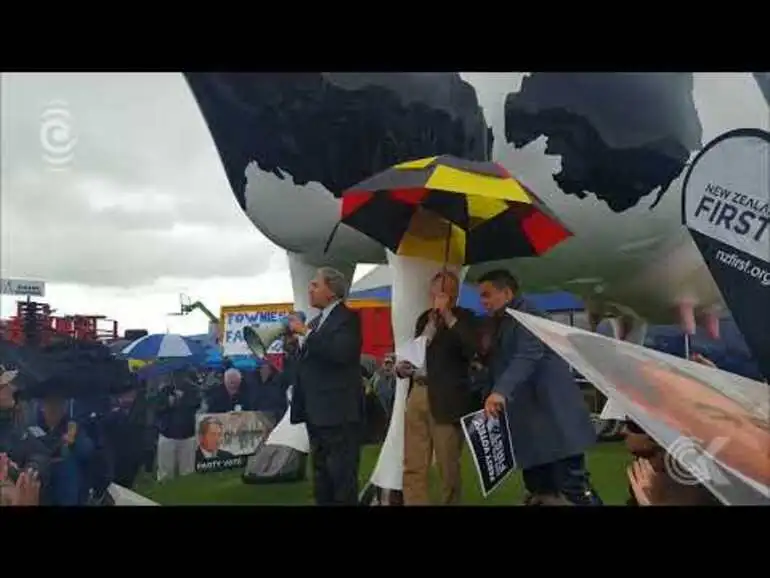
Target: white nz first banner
{"points": [[22, 287]]}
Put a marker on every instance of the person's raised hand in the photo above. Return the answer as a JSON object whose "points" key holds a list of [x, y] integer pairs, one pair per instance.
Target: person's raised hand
{"points": [[27, 489], [643, 477], [404, 369]]}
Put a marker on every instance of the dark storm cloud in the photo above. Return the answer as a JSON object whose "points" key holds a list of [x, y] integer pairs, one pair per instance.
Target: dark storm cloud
{"points": [[140, 193]]}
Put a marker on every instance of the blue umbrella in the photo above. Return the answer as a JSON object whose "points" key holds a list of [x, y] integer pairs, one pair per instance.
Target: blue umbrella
{"points": [[164, 346]]}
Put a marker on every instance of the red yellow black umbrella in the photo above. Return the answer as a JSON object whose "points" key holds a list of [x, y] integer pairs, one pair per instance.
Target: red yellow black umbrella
{"points": [[451, 210]]}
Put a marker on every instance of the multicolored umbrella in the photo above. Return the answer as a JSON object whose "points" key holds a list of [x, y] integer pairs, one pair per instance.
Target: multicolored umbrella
{"points": [[451, 210], [164, 346]]}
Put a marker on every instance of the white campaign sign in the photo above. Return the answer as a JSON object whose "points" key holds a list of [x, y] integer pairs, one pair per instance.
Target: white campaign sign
{"points": [[22, 287], [234, 319], [727, 194]]}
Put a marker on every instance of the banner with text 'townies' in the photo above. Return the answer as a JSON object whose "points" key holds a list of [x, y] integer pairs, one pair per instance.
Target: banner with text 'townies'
{"points": [[234, 318]]}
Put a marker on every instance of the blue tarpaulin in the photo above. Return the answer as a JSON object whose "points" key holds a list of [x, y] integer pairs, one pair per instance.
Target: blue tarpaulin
{"points": [[214, 360]]}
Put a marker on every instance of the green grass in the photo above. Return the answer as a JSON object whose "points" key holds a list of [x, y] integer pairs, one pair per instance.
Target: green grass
{"points": [[607, 463]]}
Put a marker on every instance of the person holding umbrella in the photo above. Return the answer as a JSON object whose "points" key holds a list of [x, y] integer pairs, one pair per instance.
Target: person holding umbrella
{"points": [[457, 212], [178, 402], [178, 399], [69, 448], [439, 394]]}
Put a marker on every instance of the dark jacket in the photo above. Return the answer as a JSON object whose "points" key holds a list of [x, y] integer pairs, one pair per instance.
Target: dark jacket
{"points": [[8, 431], [328, 388], [176, 420], [68, 471], [219, 400], [220, 455], [447, 361], [122, 432], [547, 414], [25, 450], [270, 396]]}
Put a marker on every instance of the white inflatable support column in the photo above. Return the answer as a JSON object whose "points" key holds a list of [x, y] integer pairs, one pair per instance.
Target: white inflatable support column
{"points": [[635, 334], [302, 272], [409, 298]]}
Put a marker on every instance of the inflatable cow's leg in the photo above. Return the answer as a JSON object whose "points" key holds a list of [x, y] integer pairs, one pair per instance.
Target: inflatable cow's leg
{"points": [[302, 272], [409, 297]]}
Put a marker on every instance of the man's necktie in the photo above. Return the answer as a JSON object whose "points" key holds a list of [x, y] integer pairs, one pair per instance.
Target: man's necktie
{"points": [[314, 323], [312, 326]]}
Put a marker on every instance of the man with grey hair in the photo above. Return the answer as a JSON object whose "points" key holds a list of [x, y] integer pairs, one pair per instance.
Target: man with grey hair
{"points": [[328, 396], [229, 396]]}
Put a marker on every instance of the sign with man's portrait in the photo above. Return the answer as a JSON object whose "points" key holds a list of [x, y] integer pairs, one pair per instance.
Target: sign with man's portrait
{"points": [[225, 440]]}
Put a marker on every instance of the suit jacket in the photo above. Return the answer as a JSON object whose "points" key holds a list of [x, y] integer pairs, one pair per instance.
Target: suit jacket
{"points": [[327, 373], [447, 362], [218, 400], [547, 414], [220, 455]]}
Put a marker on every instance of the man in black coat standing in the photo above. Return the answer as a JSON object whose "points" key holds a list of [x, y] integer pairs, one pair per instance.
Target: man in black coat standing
{"points": [[328, 396]]}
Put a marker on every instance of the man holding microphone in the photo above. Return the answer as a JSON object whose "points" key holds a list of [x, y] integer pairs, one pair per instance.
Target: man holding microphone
{"points": [[327, 393], [439, 394]]}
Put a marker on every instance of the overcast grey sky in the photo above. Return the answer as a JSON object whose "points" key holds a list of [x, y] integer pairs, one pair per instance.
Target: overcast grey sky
{"points": [[130, 207]]}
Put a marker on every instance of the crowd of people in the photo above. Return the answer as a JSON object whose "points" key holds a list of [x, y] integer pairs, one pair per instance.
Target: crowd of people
{"points": [[57, 452], [492, 363]]}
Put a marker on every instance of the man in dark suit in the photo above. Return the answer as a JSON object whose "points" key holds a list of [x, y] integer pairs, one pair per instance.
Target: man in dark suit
{"points": [[547, 415], [439, 395], [210, 432], [327, 395]]}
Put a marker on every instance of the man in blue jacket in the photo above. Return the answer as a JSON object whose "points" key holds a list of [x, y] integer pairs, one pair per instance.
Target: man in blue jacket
{"points": [[548, 417]]}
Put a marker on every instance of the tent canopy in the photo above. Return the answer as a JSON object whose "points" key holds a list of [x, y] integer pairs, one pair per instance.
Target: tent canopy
{"points": [[469, 298]]}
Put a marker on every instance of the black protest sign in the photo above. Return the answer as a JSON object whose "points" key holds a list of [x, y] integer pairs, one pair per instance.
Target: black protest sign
{"points": [[726, 207], [490, 442]]}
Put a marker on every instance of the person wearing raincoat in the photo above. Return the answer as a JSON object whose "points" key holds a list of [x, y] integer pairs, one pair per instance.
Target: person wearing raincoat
{"points": [[69, 448]]}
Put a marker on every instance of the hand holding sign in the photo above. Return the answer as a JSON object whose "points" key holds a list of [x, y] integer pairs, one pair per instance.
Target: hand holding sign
{"points": [[489, 440], [494, 404]]}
